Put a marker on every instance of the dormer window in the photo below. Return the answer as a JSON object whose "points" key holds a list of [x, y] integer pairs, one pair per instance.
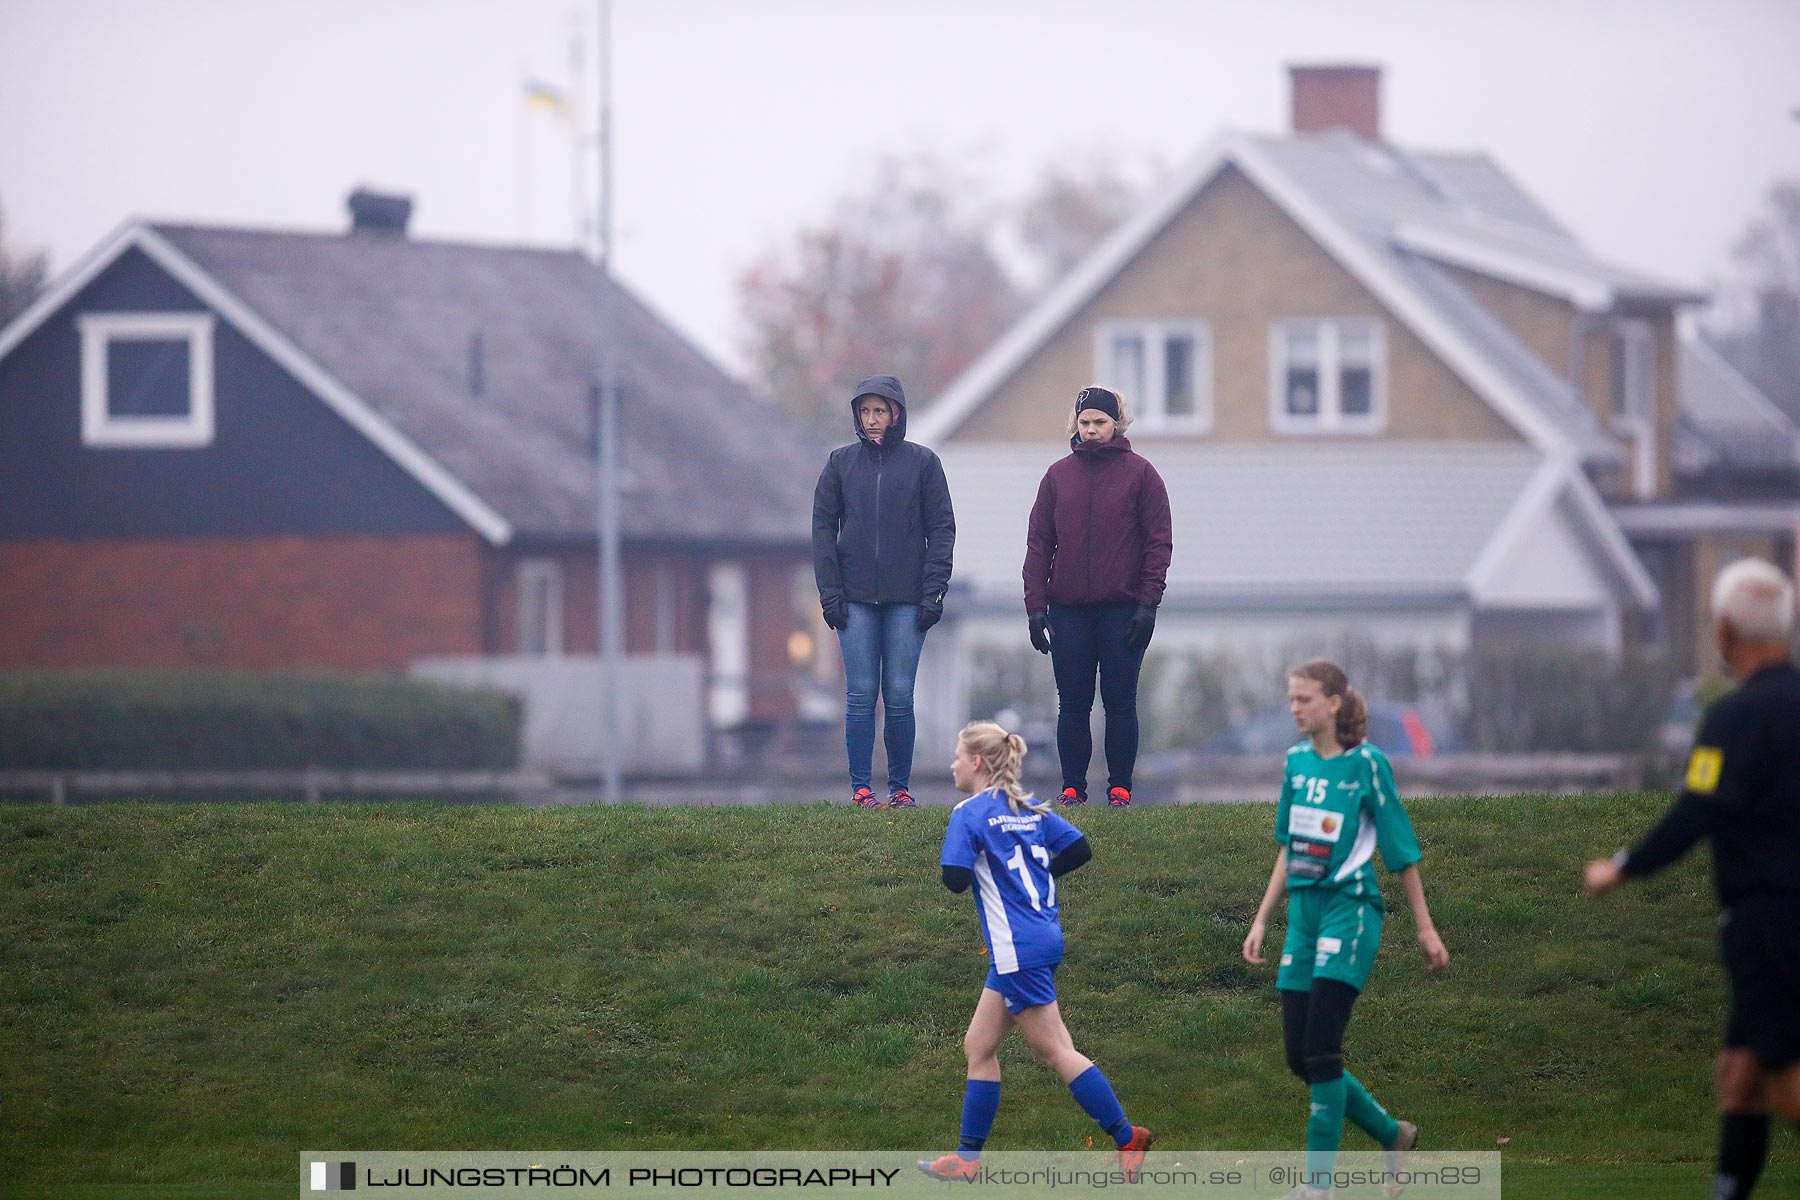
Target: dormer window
{"points": [[1163, 369], [146, 380], [1327, 376]]}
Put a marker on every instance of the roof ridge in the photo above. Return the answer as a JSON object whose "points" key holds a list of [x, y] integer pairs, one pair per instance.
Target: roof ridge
{"points": [[349, 237]]}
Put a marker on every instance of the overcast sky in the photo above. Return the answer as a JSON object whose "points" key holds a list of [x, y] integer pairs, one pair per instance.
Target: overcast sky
{"points": [[1652, 128]]}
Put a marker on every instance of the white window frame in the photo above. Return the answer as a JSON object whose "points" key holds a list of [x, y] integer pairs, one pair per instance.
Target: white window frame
{"points": [[1633, 399], [728, 642], [100, 426], [1636, 361], [1149, 411], [543, 575], [1330, 418]]}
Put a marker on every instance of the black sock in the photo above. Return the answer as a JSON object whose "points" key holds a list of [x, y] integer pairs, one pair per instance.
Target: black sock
{"points": [[1743, 1147]]}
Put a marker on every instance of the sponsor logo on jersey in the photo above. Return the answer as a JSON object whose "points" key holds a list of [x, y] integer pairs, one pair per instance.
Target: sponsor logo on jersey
{"points": [[1703, 769], [1300, 867], [1330, 945], [1287, 960], [1316, 823]]}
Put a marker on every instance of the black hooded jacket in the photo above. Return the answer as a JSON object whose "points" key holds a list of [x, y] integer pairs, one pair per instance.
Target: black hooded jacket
{"points": [[883, 530]]}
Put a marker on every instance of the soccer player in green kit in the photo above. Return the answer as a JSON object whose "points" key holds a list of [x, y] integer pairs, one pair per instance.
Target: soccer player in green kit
{"points": [[1338, 806]]}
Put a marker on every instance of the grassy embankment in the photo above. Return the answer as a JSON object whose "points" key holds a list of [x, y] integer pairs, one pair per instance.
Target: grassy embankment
{"points": [[191, 994]]}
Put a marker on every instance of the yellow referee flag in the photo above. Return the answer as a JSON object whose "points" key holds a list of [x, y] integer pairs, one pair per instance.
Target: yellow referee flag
{"points": [[539, 94]]}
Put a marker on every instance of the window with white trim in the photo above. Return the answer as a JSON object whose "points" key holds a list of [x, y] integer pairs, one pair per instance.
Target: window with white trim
{"points": [[1633, 370], [1162, 368], [146, 379], [1327, 376], [540, 583], [1634, 399]]}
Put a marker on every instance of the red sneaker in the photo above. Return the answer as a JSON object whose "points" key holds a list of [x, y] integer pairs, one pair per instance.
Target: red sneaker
{"points": [[1131, 1154], [902, 799], [954, 1167], [1071, 797], [864, 798], [1119, 798]]}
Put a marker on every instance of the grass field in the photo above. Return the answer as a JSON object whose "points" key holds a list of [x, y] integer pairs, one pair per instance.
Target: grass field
{"points": [[194, 993]]}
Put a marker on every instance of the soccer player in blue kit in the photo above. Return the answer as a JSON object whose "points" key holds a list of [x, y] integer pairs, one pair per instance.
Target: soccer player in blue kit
{"points": [[1013, 850]]}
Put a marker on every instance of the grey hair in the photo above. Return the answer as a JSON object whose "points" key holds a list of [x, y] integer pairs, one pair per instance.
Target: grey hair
{"points": [[1757, 599]]}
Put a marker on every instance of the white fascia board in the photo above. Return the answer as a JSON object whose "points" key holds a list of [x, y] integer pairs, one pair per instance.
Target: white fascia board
{"points": [[1559, 479], [1611, 538], [1029, 333], [1583, 291], [67, 285], [1418, 314], [365, 420], [1528, 509], [1706, 516]]}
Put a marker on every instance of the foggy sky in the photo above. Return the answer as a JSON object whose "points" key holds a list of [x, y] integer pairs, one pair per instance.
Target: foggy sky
{"points": [[1651, 128]]}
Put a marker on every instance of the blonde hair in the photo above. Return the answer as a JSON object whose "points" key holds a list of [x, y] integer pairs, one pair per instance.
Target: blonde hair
{"points": [[1124, 421], [1756, 598], [1003, 754]]}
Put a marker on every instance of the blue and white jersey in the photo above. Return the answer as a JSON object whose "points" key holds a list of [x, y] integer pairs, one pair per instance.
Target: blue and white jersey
{"points": [[1009, 855]]}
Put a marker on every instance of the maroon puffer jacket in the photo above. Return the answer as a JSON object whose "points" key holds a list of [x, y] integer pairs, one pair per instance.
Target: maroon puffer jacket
{"points": [[1100, 530]]}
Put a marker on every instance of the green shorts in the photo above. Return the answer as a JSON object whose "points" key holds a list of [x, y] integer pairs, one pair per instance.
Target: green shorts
{"points": [[1329, 936]]}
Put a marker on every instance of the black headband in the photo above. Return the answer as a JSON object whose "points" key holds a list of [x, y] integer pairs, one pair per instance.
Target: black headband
{"points": [[1099, 398]]}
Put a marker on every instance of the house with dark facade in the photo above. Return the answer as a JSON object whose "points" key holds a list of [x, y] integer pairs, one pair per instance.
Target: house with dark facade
{"points": [[357, 450]]}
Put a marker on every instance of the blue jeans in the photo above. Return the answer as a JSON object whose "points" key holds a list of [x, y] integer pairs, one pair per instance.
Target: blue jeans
{"points": [[881, 649], [1085, 638]]}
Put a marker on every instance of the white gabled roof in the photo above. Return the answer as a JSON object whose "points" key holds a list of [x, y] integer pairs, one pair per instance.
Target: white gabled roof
{"points": [[1420, 520], [271, 341], [1378, 212]]}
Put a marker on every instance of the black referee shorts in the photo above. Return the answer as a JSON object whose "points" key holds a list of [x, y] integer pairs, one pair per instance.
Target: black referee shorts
{"points": [[1761, 944]]}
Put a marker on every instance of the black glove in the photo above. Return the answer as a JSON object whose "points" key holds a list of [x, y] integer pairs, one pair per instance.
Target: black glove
{"points": [[1143, 624], [837, 611], [930, 613], [1040, 631]]}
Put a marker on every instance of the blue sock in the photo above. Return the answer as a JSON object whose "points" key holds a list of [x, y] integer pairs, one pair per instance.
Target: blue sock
{"points": [[1096, 1098], [981, 1100]]}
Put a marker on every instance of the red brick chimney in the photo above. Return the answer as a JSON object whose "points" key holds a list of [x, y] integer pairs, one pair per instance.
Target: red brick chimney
{"points": [[1337, 96]]}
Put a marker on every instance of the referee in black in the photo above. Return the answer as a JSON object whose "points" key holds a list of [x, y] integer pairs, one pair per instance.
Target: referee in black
{"points": [[1743, 793]]}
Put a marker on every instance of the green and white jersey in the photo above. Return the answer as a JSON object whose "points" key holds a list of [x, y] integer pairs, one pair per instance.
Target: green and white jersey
{"points": [[1335, 813]]}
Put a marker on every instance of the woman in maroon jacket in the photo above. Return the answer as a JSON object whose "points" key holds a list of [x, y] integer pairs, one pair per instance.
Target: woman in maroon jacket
{"points": [[1096, 559]]}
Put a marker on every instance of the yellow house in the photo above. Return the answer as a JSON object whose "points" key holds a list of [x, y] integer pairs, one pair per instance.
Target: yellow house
{"points": [[1389, 394]]}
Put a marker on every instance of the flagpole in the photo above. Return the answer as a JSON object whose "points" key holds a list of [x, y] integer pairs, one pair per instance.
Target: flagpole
{"points": [[611, 595], [577, 143]]}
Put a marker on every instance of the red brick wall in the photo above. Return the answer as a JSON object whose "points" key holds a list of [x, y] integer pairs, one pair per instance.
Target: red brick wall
{"points": [[774, 618], [359, 602]]}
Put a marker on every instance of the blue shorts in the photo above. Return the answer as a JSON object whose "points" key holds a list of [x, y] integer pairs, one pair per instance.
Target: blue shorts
{"points": [[1025, 988]]}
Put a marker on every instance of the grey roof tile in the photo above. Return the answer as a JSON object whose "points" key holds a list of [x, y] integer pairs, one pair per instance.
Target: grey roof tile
{"points": [[1423, 513], [392, 318], [1725, 422]]}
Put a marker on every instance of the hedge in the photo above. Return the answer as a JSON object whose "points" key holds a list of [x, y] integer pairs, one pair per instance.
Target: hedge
{"points": [[198, 720]]}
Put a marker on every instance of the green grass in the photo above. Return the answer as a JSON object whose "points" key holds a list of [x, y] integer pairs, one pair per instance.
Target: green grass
{"points": [[197, 992]]}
